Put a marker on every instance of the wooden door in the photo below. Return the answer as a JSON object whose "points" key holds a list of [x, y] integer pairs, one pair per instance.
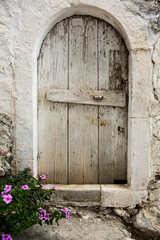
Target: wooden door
{"points": [[82, 103]]}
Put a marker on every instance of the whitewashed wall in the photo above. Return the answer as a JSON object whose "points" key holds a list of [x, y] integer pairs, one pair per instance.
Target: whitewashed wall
{"points": [[23, 26]]}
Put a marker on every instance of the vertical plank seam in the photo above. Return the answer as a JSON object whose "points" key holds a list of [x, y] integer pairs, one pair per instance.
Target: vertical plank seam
{"points": [[54, 39], [127, 102], [68, 110], [98, 89], [84, 55]]}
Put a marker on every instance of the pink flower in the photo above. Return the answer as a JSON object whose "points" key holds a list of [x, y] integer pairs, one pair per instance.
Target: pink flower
{"points": [[46, 216], [3, 194], [25, 187], [27, 166], [7, 198], [43, 176], [32, 173], [6, 237], [41, 216], [41, 185], [0, 152], [42, 210], [53, 187], [8, 188], [66, 212]]}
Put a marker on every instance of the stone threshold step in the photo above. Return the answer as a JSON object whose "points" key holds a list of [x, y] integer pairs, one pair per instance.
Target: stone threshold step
{"points": [[106, 195], [76, 195]]}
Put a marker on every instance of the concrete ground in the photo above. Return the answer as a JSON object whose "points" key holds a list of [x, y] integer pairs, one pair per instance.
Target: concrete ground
{"points": [[80, 229]]}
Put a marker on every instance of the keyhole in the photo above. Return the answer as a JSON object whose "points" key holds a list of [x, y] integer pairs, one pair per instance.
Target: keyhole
{"points": [[120, 129]]}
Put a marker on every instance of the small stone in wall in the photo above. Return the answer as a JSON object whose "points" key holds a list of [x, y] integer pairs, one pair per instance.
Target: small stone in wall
{"points": [[6, 144], [124, 214], [157, 184], [128, 239], [120, 212], [86, 214], [155, 195], [4, 167], [155, 24]]}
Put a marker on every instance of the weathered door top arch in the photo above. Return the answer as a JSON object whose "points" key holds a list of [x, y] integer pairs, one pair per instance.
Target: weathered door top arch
{"points": [[82, 110]]}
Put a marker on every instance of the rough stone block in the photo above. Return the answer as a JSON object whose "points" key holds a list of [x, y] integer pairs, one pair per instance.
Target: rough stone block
{"points": [[155, 195], [147, 220], [157, 184]]}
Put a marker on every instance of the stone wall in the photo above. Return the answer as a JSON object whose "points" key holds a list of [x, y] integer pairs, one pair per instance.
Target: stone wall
{"points": [[23, 26]]}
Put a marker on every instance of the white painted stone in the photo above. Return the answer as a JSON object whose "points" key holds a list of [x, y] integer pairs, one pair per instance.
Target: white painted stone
{"points": [[116, 196], [139, 153], [140, 83], [25, 163], [156, 70], [75, 187]]}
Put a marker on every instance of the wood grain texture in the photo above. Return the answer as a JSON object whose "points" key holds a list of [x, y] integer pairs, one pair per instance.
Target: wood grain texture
{"points": [[83, 128], [112, 143], [107, 98], [120, 126], [52, 117]]}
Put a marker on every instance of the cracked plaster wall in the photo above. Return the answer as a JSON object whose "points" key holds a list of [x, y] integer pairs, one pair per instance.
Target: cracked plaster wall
{"points": [[16, 90]]}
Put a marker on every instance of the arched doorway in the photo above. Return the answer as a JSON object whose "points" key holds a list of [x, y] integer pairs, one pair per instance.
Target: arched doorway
{"points": [[82, 103]]}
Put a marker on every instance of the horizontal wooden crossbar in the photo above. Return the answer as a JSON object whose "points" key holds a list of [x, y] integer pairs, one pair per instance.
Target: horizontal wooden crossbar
{"points": [[90, 97]]}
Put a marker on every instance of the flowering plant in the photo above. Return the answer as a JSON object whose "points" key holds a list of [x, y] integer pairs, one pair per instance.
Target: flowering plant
{"points": [[22, 204]]}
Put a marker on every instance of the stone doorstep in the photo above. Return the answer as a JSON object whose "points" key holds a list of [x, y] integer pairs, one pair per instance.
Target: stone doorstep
{"points": [[96, 194]]}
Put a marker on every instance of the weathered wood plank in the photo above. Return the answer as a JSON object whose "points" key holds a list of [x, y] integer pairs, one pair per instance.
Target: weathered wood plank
{"points": [[52, 117], [83, 126], [114, 70], [112, 143], [108, 39], [107, 135], [123, 135], [116, 82], [106, 98], [121, 145]]}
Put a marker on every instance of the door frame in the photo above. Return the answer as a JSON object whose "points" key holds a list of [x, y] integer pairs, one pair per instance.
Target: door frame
{"points": [[138, 154], [138, 115]]}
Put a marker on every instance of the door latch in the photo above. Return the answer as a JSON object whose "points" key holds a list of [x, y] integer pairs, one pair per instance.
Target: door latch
{"points": [[96, 97]]}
